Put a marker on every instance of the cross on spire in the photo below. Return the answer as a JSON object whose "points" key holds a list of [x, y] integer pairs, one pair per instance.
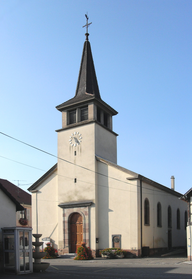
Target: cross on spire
{"points": [[87, 25]]}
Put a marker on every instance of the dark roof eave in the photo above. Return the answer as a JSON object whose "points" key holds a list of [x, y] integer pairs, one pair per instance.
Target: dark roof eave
{"points": [[19, 207], [76, 102], [156, 185], [137, 176], [187, 195], [20, 195], [100, 159], [42, 178]]}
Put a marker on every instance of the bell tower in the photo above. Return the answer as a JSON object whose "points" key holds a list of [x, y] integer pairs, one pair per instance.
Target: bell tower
{"points": [[87, 132], [87, 109]]}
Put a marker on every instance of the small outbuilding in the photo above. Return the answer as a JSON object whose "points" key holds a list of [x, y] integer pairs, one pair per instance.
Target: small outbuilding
{"points": [[15, 242]]}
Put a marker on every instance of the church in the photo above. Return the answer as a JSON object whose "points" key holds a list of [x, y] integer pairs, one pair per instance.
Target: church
{"points": [[87, 197]]}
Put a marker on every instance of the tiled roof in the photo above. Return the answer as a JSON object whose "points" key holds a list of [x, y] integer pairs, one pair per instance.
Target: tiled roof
{"points": [[19, 207], [17, 193]]}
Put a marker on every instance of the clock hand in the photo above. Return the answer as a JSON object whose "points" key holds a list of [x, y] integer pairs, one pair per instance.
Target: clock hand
{"points": [[76, 140]]}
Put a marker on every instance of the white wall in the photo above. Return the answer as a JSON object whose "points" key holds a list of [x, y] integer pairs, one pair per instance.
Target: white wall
{"points": [[7, 218], [106, 144], [80, 166], [47, 208], [118, 207], [7, 211], [157, 237]]}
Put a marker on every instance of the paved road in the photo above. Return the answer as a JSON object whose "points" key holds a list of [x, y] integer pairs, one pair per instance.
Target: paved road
{"points": [[156, 268]]}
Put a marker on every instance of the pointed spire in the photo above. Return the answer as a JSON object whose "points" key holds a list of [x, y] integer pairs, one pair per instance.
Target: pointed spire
{"points": [[87, 87], [87, 80]]}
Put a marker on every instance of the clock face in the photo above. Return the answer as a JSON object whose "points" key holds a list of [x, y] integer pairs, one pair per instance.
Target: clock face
{"points": [[75, 139]]}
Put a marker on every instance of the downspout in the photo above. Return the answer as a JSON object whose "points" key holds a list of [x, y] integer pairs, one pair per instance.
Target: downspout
{"points": [[36, 191], [36, 214]]}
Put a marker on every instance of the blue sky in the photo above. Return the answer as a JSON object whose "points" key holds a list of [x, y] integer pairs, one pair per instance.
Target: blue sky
{"points": [[142, 52]]}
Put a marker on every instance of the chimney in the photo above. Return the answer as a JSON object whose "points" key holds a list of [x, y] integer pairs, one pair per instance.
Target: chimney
{"points": [[173, 183]]}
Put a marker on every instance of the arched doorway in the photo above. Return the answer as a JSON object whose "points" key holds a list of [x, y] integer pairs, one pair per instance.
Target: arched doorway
{"points": [[76, 231]]}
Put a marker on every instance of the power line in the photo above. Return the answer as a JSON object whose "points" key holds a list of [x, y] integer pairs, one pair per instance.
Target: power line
{"points": [[41, 150], [98, 185], [83, 181], [21, 163]]}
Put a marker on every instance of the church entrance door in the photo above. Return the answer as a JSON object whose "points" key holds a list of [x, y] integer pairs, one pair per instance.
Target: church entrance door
{"points": [[76, 232]]}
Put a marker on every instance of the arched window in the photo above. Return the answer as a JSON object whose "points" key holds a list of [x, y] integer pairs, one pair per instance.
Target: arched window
{"points": [[178, 219], [159, 218], [185, 218], [169, 217], [146, 212]]}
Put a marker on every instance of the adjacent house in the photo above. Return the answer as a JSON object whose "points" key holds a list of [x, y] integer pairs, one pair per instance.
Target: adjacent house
{"points": [[23, 217], [86, 196], [8, 208]]}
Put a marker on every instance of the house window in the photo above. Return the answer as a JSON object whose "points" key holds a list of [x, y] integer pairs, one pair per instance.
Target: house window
{"points": [[23, 217], [106, 117], [159, 218], [23, 214], [98, 114], [146, 212], [178, 219], [72, 116], [84, 113], [169, 217], [185, 218]]}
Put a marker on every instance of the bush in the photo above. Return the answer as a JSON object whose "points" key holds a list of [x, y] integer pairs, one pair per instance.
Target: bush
{"points": [[84, 253], [51, 253]]}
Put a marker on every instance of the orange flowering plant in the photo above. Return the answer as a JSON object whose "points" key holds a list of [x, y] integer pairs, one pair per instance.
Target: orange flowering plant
{"points": [[84, 253], [51, 253]]}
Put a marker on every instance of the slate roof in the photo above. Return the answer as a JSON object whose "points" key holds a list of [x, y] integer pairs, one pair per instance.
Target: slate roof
{"points": [[17, 193], [19, 207], [87, 86]]}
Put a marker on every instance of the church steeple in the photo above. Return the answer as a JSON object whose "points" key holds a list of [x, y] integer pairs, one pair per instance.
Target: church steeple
{"points": [[87, 80], [87, 105]]}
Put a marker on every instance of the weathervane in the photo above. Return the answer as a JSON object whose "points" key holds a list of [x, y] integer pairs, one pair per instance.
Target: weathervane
{"points": [[86, 25]]}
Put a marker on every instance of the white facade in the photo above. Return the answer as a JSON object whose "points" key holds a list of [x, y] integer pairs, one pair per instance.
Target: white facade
{"points": [[8, 211], [8, 208], [115, 194], [87, 197]]}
